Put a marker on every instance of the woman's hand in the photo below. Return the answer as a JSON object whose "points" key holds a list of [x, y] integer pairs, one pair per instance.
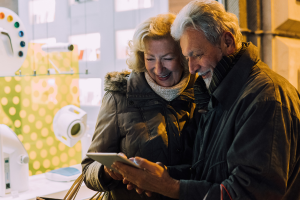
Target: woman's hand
{"points": [[109, 173]]}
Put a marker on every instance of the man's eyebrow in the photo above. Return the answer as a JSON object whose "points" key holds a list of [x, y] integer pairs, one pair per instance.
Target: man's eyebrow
{"points": [[190, 54]]}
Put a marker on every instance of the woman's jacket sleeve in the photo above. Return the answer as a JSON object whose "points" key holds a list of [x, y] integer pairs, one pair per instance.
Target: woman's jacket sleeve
{"points": [[106, 139]]}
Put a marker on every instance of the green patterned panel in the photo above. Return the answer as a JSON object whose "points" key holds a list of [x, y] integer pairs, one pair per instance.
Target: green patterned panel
{"points": [[28, 105]]}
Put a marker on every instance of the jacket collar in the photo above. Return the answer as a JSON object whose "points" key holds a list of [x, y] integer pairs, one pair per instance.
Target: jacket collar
{"points": [[139, 89], [229, 89]]}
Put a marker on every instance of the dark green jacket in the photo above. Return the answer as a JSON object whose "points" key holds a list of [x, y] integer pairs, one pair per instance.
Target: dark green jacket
{"points": [[247, 144], [134, 120]]}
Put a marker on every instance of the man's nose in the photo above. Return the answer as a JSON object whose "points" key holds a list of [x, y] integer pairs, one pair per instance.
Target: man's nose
{"points": [[193, 66], [159, 67]]}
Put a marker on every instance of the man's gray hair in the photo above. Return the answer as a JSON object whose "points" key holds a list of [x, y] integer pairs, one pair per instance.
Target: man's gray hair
{"points": [[210, 17]]}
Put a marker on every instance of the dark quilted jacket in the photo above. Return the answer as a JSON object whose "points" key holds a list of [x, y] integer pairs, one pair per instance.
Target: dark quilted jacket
{"points": [[248, 144], [134, 120]]}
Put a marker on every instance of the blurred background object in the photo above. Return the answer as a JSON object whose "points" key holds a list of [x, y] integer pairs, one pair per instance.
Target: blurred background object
{"points": [[69, 125], [99, 32], [13, 42], [14, 160]]}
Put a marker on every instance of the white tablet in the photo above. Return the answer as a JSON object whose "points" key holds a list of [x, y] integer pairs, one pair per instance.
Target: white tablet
{"points": [[108, 159]]}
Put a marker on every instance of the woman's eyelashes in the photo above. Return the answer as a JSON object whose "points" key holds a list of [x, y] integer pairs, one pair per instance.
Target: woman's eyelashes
{"points": [[167, 59]]}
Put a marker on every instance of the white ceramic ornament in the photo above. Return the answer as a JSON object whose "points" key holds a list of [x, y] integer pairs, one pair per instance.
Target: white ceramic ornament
{"points": [[13, 42]]}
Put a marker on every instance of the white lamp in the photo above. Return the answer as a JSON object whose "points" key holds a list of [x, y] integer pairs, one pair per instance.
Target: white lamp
{"points": [[14, 160], [69, 124]]}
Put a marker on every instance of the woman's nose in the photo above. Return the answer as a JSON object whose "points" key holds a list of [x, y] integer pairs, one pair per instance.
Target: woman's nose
{"points": [[159, 67]]}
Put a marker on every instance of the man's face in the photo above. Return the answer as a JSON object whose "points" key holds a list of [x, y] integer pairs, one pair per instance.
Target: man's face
{"points": [[202, 56]]}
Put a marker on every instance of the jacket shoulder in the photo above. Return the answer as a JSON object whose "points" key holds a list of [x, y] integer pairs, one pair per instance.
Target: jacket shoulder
{"points": [[270, 86], [116, 81]]}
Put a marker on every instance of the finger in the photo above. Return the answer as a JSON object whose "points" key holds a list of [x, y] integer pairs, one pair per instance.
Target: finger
{"points": [[113, 175], [109, 172], [128, 172], [139, 190], [160, 164], [124, 169], [146, 164], [149, 194], [122, 154], [139, 161], [130, 186], [119, 176], [106, 169], [125, 181]]}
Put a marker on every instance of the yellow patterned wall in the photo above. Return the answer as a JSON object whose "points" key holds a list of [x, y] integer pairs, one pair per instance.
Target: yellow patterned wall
{"points": [[29, 103]]}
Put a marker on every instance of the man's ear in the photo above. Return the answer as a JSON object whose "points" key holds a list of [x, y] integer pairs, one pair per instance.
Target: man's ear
{"points": [[228, 45]]}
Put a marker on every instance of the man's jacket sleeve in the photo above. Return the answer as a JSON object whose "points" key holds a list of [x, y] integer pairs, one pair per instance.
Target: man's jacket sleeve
{"points": [[180, 171], [260, 160]]}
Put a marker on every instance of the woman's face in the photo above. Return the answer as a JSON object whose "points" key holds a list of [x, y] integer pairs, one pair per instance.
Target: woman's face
{"points": [[162, 61]]}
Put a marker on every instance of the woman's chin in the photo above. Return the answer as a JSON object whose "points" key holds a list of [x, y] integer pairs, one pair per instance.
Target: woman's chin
{"points": [[167, 83]]}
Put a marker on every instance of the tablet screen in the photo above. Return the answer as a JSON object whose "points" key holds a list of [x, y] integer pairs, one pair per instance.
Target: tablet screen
{"points": [[108, 159]]}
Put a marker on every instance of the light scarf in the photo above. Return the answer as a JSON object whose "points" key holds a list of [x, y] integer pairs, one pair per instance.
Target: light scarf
{"points": [[168, 93]]}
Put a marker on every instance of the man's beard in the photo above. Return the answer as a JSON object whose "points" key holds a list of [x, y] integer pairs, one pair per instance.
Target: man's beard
{"points": [[208, 80]]}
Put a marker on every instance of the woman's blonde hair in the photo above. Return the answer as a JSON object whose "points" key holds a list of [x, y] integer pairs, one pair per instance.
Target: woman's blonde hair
{"points": [[158, 27]]}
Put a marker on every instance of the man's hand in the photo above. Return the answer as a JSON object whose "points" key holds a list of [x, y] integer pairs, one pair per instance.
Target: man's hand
{"points": [[131, 186], [151, 177]]}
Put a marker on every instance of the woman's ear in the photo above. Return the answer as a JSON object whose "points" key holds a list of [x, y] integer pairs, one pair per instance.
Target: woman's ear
{"points": [[228, 45]]}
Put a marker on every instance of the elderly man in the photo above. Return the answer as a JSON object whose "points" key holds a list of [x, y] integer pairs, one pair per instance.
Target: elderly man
{"points": [[248, 132]]}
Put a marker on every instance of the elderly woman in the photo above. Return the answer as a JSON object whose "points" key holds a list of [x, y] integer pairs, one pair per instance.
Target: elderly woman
{"points": [[146, 112]]}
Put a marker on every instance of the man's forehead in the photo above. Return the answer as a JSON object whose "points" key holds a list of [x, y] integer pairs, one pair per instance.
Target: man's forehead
{"points": [[188, 43], [184, 43]]}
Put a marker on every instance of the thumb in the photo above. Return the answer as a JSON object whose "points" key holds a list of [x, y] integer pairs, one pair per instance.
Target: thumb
{"points": [[138, 160], [145, 164], [122, 154]]}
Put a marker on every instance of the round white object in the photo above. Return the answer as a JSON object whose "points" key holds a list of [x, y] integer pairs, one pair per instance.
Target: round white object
{"points": [[69, 124], [13, 42]]}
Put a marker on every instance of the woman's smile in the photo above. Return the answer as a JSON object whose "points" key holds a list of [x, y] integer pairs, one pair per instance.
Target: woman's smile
{"points": [[164, 77]]}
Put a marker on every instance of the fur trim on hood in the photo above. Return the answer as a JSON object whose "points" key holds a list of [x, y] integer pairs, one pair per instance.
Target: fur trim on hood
{"points": [[116, 81]]}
